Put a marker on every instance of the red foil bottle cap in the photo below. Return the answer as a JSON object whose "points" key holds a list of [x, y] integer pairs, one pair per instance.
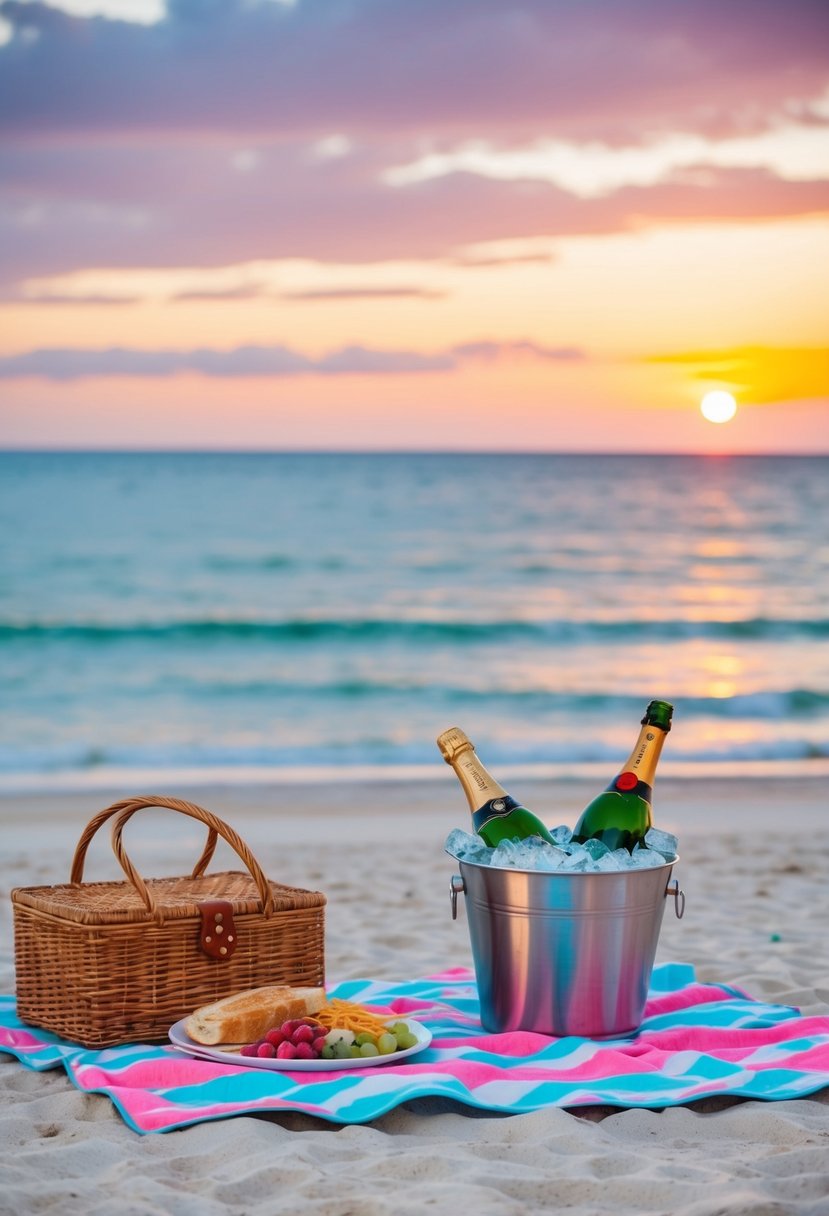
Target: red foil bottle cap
{"points": [[627, 781]]}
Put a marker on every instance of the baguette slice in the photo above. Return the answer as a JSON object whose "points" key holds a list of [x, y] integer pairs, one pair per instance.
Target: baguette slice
{"points": [[246, 1016]]}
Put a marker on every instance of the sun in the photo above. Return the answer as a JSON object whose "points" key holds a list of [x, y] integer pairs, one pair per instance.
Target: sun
{"points": [[718, 406]]}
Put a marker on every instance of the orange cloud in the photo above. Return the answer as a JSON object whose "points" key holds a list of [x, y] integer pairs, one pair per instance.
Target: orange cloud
{"points": [[759, 375]]}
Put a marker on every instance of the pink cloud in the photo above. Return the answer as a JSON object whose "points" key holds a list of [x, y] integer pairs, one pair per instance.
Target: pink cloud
{"points": [[601, 70], [123, 140], [65, 363], [343, 214]]}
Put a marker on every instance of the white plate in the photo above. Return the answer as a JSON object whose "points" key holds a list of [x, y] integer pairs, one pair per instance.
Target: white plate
{"points": [[182, 1042]]}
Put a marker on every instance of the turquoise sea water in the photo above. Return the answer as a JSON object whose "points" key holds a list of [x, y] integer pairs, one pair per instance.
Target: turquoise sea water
{"points": [[240, 615]]}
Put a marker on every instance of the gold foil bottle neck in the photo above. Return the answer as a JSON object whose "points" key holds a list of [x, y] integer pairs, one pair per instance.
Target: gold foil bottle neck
{"points": [[453, 743]]}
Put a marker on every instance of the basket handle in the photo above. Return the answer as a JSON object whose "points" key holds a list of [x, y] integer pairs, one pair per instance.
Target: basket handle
{"points": [[136, 803], [124, 811]]}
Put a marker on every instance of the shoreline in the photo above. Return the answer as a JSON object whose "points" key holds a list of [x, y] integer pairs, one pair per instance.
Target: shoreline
{"points": [[106, 778], [683, 805]]}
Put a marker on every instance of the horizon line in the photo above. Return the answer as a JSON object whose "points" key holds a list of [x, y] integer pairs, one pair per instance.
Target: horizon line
{"points": [[268, 451]]}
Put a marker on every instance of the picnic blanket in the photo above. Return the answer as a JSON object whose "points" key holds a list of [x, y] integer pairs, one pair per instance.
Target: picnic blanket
{"points": [[696, 1040]]}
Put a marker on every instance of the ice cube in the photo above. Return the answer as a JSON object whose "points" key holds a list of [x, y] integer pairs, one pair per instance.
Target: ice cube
{"points": [[595, 848], [578, 859], [467, 846], [562, 835], [457, 842], [541, 855], [506, 853], [619, 859], [662, 842], [644, 859], [531, 853]]}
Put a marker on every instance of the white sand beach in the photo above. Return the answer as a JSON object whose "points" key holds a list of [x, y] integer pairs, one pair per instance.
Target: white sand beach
{"points": [[753, 867]]}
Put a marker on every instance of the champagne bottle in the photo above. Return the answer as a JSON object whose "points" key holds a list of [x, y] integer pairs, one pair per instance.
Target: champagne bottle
{"points": [[496, 815], [621, 815]]}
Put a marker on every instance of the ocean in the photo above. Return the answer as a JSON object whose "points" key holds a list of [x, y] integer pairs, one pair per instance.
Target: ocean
{"points": [[170, 617]]}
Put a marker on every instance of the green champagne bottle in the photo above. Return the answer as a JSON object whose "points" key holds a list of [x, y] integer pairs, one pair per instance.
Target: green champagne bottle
{"points": [[496, 815], [621, 815]]}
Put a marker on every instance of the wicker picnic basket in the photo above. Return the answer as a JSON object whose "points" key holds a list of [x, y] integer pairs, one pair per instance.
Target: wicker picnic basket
{"points": [[101, 963]]}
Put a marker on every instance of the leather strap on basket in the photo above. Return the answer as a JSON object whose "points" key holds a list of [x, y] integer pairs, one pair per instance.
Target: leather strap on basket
{"points": [[124, 810], [218, 930]]}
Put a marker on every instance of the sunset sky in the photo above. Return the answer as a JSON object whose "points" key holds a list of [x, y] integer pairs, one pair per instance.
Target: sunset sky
{"points": [[378, 224]]}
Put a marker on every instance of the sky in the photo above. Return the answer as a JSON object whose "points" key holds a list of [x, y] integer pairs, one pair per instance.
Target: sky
{"points": [[414, 224]]}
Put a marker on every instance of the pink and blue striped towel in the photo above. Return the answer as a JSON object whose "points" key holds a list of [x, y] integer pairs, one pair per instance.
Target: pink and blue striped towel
{"points": [[696, 1040]]}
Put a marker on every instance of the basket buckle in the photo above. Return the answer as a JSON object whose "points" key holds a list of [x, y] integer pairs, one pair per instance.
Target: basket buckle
{"points": [[218, 932]]}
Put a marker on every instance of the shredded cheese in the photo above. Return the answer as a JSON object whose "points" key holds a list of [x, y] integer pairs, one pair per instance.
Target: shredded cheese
{"points": [[345, 1015]]}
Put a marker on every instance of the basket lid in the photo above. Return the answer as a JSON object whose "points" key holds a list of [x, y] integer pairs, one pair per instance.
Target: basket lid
{"points": [[177, 898]]}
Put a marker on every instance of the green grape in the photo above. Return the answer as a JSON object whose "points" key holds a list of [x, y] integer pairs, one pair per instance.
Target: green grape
{"points": [[334, 1036], [364, 1037], [386, 1044], [355, 1052], [369, 1049], [407, 1040]]}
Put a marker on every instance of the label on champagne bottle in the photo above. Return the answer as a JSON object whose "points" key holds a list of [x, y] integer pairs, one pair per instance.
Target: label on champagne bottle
{"points": [[496, 808], [647, 737]]}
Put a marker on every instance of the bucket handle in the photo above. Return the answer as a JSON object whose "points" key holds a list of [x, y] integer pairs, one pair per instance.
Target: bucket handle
{"points": [[673, 888], [456, 886]]}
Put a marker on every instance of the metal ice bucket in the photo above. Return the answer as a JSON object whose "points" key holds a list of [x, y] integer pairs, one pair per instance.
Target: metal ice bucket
{"points": [[564, 953]]}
